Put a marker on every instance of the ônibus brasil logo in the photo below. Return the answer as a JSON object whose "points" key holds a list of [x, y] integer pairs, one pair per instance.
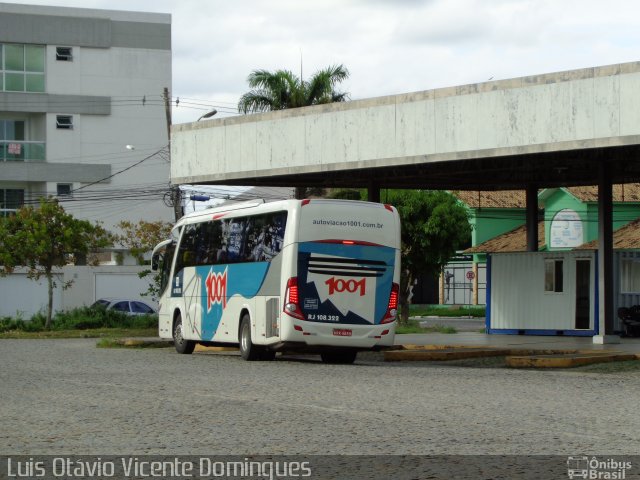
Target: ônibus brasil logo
{"points": [[216, 285]]}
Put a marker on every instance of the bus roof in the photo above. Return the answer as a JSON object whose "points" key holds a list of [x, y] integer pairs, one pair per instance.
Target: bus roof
{"points": [[262, 204]]}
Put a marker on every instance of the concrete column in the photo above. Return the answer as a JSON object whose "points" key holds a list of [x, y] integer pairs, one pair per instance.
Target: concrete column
{"points": [[373, 192], [532, 218], [605, 257], [475, 283]]}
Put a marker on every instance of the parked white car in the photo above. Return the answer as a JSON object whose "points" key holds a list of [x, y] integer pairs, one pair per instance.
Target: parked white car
{"points": [[130, 307]]}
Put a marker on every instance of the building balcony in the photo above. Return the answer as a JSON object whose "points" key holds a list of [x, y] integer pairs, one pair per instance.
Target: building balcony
{"points": [[21, 151]]}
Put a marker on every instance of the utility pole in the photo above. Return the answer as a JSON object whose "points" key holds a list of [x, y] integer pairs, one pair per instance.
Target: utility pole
{"points": [[176, 198]]}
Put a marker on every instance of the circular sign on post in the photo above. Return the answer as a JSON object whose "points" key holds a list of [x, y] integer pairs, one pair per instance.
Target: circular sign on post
{"points": [[470, 275]]}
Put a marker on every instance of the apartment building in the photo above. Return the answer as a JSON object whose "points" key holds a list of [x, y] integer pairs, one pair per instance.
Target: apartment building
{"points": [[82, 112]]}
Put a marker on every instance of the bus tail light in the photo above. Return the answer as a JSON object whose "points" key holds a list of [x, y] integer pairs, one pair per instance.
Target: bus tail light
{"points": [[292, 299], [392, 308]]}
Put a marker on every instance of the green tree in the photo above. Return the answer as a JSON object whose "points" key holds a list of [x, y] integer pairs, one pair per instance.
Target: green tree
{"points": [[141, 238], [42, 239], [434, 226], [283, 89]]}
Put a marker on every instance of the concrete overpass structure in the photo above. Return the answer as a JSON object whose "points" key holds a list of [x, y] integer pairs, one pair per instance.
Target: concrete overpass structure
{"points": [[579, 127]]}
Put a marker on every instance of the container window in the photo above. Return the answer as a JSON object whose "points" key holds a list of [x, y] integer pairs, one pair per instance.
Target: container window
{"points": [[554, 276]]}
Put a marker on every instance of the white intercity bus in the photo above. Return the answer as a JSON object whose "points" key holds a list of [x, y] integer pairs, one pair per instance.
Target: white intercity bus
{"points": [[317, 276]]}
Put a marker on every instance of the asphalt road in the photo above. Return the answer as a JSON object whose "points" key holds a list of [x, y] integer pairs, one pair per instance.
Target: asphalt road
{"points": [[66, 396]]}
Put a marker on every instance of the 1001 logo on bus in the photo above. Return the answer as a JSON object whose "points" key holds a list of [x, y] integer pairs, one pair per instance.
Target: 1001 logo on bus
{"points": [[352, 286], [216, 285]]}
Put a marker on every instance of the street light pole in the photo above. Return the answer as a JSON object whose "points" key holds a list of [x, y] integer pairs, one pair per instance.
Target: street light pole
{"points": [[176, 198], [208, 114]]}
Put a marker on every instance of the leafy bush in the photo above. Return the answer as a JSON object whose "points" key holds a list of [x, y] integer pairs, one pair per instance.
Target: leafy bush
{"points": [[8, 323], [83, 318]]}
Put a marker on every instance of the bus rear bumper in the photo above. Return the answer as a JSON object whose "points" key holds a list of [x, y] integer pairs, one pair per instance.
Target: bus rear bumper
{"points": [[321, 335]]}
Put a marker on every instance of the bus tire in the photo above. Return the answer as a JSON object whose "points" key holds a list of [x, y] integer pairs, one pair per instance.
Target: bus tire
{"points": [[248, 351], [182, 345], [339, 357]]}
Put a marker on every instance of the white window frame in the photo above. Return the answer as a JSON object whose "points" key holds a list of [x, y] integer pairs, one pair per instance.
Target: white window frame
{"points": [[70, 185], [64, 122], [630, 275], [64, 54], [551, 275]]}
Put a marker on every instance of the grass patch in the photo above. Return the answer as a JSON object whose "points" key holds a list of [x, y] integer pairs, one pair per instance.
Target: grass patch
{"points": [[446, 311], [414, 327], [93, 333]]}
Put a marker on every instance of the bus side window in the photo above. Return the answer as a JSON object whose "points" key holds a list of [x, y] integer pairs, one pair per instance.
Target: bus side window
{"points": [[209, 242], [186, 252], [165, 266]]}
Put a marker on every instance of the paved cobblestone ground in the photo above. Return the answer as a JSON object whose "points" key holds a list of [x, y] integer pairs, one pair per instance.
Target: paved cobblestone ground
{"points": [[68, 397]]}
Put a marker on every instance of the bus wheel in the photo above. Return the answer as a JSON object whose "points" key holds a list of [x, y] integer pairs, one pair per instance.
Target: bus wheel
{"points": [[343, 357], [182, 345], [248, 350]]}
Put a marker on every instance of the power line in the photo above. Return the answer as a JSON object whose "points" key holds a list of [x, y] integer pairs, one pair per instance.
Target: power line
{"points": [[121, 171]]}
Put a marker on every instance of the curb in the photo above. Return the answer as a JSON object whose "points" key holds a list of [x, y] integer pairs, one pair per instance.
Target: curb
{"points": [[566, 361], [515, 358], [440, 354], [144, 342], [204, 349]]}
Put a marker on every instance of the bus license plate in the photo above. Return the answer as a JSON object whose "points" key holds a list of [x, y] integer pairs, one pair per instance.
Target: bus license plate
{"points": [[342, 332]]}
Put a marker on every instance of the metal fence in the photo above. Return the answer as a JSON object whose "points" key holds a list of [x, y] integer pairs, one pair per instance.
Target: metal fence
{"points": [[458, 279]]}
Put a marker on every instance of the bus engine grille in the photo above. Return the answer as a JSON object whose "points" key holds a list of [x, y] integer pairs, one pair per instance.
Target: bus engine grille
{"points": [[346, 267]]}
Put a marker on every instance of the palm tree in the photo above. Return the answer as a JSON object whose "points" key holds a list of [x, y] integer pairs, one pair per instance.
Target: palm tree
{"points": [[283, 89]]}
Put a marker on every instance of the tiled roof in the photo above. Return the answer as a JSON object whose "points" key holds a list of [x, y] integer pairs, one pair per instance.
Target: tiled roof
{"points": [[627, 192], [627, 237], [512, 241], [492, 199]]}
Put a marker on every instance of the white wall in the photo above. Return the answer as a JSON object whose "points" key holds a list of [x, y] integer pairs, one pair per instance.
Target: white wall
{"points": [[518, 300], [22, 296], [126, 75]]}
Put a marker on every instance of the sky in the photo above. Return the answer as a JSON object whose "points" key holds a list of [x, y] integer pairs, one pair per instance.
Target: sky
{"points": [[388, 46]]}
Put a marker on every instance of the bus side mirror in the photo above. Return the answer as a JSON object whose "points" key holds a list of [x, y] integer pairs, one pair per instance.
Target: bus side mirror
{"points": [[158, 254]]}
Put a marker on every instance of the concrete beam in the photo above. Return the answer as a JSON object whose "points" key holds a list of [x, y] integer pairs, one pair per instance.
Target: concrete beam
{"points": [[568, 111]]}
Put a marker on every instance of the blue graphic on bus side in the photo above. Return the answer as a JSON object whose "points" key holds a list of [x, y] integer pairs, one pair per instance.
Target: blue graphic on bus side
{"points": [[345, 269], [221, 282]]}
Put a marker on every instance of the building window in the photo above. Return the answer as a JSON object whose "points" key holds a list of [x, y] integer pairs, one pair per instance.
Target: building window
{"points": [[64, 122], [63, 189], [10, 200], [553, 276], [22, 68], [64, 54], [12, 136], [630, 275]]}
